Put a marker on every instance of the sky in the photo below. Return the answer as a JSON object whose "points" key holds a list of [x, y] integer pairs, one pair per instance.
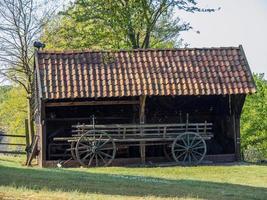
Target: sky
{"points": [[237, 22]]}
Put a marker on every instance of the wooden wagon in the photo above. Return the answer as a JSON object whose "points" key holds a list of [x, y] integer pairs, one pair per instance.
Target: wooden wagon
{"points": [[96, 145]]}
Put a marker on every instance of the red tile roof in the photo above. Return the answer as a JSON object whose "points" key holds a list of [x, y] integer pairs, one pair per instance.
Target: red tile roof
{"points": [[90, 74]]}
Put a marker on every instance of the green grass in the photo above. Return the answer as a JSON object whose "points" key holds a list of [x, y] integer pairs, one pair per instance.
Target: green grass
{"points": [[203, 182]]}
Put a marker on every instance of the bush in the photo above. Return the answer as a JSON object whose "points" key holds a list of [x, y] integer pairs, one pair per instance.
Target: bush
{"points": [[253, 154], [254, 122], [13, 112]]}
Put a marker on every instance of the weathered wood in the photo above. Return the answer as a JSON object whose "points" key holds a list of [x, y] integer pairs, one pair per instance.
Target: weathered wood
{"points": [[237, 103], [142, 121], [42, 134], [87, 126], [13, 152], [70, 139], [142, 104], [237, 138], [90, 103], [191, 152], [32, 128], [33, 151], [28, 139], [27, 133], [140, 135], [83, 118], [10, 135], [150, 134], [12, 144]]}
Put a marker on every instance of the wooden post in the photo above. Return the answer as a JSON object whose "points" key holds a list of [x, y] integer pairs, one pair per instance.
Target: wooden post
{"points": [[33, 130], [29, 115], [42, 136], [237, 104], [142, 109], [237, 138], [142, 121], [27, 138]]}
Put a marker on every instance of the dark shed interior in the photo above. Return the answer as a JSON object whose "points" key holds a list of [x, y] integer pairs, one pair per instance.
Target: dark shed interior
{"points": [[159, 109]]}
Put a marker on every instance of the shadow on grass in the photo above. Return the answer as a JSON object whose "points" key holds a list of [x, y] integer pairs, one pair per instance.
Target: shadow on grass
{"points": [[108, 184]]}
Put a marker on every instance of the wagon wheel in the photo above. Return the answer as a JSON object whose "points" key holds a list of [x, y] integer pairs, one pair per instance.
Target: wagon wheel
{"points": [[73, 146], [95, 148], [72, 150], [189, 148]]}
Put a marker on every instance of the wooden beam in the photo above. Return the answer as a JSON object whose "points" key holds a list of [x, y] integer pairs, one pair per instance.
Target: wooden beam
{"points": [[142, 104], [13, 152], [237, 138], [90, 103], [13, 144], [33, 152], [27, 134], [42, 136], [10, 135]]}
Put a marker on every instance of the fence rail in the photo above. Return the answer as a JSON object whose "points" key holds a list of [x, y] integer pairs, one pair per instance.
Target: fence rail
{"points": [[12, 144], [9, 135]]}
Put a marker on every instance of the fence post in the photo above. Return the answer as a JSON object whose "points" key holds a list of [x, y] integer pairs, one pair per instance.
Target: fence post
{"points": [[27, 133]]}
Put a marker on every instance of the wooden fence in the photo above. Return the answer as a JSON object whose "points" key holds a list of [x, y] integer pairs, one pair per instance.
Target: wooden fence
{"points": [[12, 144], [23, 145]]}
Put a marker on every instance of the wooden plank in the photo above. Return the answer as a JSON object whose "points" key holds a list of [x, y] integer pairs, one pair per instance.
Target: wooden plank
{"points": [[85, 118], [142, 125], [136, 135], [33, 151], [237, 138], [42, 135], [12, 144], [27, 133], [90, 103], [132, 139], [142, 105], [13, 152], [10, 135]]}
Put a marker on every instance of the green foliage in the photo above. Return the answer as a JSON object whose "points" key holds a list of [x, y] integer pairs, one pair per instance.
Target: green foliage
{"points": [[3, 92], [254, 121], [13, 112], [119, 24]]}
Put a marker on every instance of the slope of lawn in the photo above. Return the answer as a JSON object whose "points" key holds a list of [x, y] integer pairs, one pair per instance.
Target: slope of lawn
{"points": [[203, 182]]}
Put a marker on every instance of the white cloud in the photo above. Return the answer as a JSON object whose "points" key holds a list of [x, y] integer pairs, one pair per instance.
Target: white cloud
{"points": [[238, 22]]}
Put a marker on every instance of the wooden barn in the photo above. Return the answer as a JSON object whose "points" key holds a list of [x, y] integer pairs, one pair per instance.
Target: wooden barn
{"points": [[139, 104]]}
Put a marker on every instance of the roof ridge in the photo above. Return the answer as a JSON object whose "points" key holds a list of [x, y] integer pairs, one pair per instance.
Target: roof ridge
{"points": [[87, 50]]}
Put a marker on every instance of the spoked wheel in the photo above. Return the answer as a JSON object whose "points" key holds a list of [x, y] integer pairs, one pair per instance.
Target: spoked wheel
{"points": [[72, 150], [95, 148], [189, 148]]}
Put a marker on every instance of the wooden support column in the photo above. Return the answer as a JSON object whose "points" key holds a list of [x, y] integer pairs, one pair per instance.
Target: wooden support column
{"points": [[237, 138], [237, 103], [27, 137], [142, 121], [42, 136]]}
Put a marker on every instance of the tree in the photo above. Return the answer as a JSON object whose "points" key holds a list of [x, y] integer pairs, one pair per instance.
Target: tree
{"points": [[13, 111], [21, 24], [254, 119], [120, 24]]}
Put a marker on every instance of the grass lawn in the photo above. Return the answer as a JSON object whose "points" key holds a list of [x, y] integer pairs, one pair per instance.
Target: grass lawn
{"points": [[203, 182]]}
